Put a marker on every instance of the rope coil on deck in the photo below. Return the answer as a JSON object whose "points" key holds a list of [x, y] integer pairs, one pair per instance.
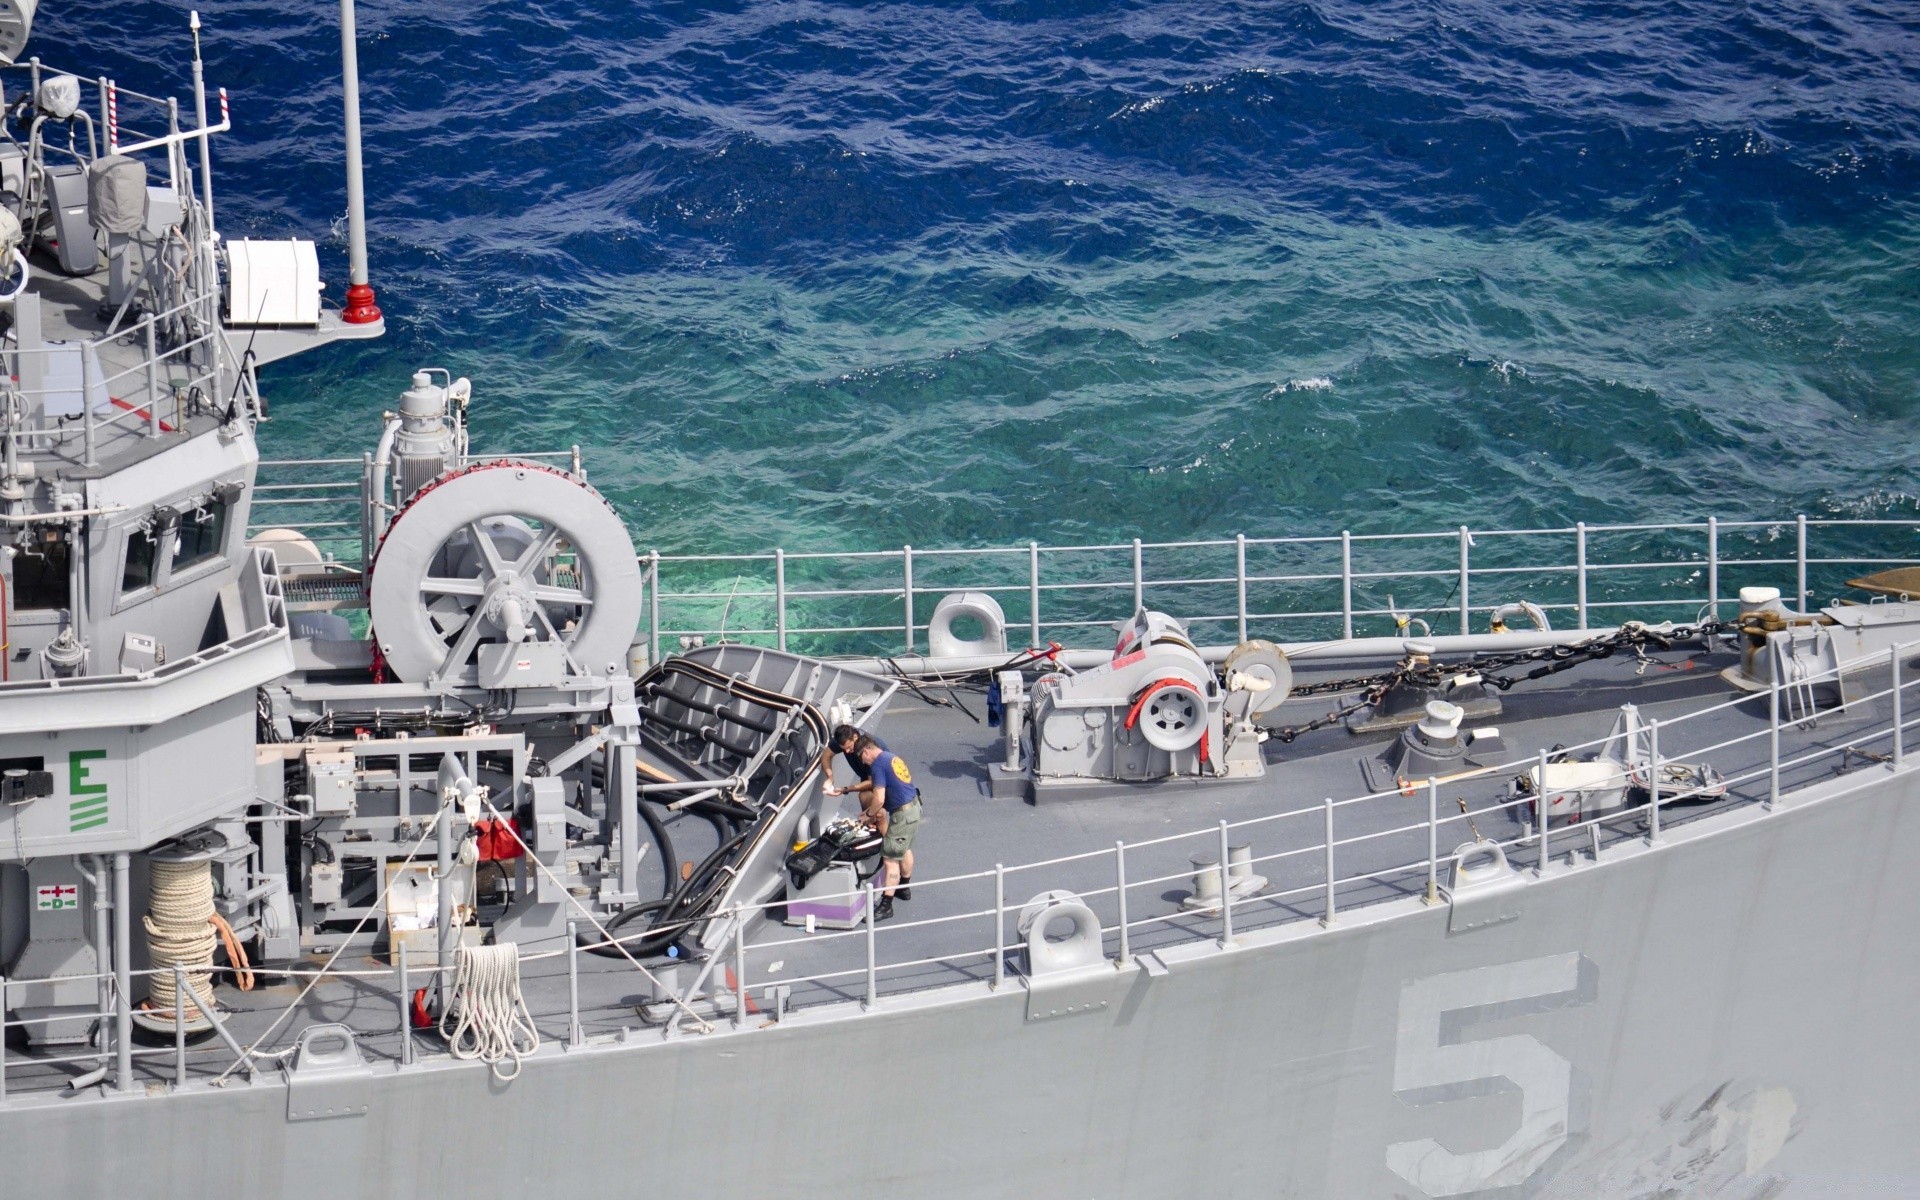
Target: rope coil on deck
{"points": [[181, 931], [487, 1016]]}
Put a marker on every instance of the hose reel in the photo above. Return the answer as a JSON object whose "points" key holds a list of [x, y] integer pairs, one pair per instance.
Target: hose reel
{"points": [[502, 565], [1170, 713]]}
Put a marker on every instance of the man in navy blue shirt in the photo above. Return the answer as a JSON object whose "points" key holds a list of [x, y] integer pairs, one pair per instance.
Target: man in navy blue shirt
{"points": [[891, 804], [841, 742]]}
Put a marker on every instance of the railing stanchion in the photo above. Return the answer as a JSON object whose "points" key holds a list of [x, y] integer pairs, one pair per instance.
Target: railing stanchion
{"points": [[1033, 591], [1328, 919], [86, 406], [1226, 893], [779, 599], [1120, 892], [1139, 579], [1653, 781], [1240, 579], [999, 925], [653, 607], [1893, 656], [1800, 559], [1713, 568], [574, 1036], [1346, 583], [1544, 813], [153, 382], [906, 575], [1580, 570], [873, 977], [1433, 840], [123, 971], [368, 513], [1466, 607], [179, 1026], [740, 970], [1773, 745], [405, 1001]]}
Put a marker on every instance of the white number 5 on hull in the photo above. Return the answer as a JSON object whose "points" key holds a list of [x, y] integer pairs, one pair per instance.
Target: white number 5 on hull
{"points": [[1432, 1064]]}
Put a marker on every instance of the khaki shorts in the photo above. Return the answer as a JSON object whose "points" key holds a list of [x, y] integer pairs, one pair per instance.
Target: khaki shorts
{"points": [[900, 828]]}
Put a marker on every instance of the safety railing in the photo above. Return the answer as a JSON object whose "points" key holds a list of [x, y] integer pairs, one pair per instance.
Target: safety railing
{"points": [[147, 372], [330, 501], [1411, 856], [1338, 855], [1307, 588], [1320, 587]]}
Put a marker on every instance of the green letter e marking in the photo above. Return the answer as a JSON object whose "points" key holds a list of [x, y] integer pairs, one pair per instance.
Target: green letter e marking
{"points": [[89, 807]]}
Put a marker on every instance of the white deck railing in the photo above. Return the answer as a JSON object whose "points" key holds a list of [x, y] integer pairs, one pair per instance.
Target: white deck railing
{"points": [[974, 943], [1321, 586]]}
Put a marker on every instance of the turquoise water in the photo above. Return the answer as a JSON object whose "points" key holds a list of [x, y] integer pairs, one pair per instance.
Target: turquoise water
{"points": [[855, 275]]}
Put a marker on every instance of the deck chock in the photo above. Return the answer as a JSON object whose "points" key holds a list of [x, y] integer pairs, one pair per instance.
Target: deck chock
{"points": [[1068, 971], [1484, 889], [327, 1078]]}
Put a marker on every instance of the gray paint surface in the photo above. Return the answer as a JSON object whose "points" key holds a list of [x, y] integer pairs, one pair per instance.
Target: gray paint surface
{"points": [[1738, 1024]]}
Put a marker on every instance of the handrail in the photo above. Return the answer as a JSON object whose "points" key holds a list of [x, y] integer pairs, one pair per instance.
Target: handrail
{"points": [[1308, 587], [1187, 927]]}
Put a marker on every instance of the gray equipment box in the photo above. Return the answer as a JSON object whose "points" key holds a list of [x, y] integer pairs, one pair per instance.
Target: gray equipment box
{"points": [[832, 898], [522, 664], [73, 244]]}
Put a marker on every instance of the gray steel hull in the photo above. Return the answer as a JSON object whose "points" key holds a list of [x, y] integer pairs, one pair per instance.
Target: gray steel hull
{"points": [[1729, 1014]]}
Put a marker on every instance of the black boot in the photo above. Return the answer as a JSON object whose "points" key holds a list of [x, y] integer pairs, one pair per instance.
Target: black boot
{"points": [[883, 911], [903, 892]]}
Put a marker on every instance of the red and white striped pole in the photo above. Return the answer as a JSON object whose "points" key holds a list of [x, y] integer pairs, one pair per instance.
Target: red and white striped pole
{"points": [[113, 117]]}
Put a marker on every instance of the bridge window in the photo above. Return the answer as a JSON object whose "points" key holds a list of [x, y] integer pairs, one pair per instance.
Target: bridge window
{"points": [[42, 577], [201, 533], [142, 550]]}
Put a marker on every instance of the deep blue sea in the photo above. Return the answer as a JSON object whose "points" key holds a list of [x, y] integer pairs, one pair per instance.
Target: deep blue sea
{"points": [[844, 275]]}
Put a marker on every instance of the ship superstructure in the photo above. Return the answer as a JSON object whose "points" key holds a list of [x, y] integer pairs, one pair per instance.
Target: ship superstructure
{"points": [[352, 808]]}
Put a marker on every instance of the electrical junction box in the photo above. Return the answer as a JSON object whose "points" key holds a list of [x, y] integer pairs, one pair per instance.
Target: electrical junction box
{"points": [[138, 652], [330, 781], [273, 283], [323, 883], [163, 211], [522, 664]]}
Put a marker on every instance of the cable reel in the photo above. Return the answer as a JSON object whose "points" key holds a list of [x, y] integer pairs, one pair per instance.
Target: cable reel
{"points": [[499, 553], [1170, 713], [1260, 670]]}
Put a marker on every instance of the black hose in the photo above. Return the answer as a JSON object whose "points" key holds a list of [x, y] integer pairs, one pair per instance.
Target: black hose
{"points": [[668, 859], [678, 913]]}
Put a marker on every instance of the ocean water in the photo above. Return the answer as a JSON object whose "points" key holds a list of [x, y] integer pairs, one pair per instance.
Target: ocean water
{"points": [[848, 275]]}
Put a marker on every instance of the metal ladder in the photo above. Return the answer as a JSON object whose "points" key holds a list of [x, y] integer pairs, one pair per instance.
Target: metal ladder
{"points": [[1795, 671]]}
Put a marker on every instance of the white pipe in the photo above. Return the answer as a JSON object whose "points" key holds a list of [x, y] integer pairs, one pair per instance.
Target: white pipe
{"points": [[356, 194], [63, 515], [382, 464]]}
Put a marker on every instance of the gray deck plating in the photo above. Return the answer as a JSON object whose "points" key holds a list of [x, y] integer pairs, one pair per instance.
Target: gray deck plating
{"points": [[1632, 1001], [967, 832]]}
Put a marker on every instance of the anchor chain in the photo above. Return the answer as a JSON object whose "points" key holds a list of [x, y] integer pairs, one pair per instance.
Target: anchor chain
{"points": [[1422, 671]]}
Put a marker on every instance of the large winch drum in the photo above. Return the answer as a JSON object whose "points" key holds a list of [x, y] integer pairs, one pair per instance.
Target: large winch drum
{"points": [[504, 552]]}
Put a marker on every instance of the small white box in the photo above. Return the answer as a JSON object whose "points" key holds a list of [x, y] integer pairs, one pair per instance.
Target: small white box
{"points": [[323, 883], [273, 283], [163, 209]]}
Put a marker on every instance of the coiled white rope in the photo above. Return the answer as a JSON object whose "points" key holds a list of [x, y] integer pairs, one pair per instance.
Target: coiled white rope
{"points": [[487, 1017], [180, 931]]}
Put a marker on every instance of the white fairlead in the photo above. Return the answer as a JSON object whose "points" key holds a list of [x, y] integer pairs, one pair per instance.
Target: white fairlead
{"points": [[487, 1017]]}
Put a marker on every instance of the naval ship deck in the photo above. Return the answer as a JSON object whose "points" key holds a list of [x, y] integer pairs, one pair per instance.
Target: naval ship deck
{"points": [[1130, 857]]}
